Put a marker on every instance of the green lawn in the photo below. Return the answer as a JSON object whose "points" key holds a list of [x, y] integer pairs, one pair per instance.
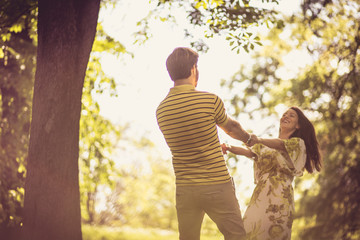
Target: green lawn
{"points": [[110, 233]]}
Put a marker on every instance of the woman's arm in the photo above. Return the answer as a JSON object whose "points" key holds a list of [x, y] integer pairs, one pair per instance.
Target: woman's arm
{"points": [[275, 143], [237, 150]]}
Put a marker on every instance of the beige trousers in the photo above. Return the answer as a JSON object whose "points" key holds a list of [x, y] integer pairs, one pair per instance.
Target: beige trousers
{"points": [[218, 201]]}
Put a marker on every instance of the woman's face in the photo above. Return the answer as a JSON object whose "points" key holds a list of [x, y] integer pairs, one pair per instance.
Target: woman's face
{"points": [[289, 120]]}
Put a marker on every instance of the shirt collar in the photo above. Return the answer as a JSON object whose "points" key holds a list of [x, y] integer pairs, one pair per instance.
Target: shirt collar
{"points": [[181, 88]]}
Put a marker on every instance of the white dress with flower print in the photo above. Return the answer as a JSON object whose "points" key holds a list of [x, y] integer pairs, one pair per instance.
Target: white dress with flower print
{"points": [[269, 215]]}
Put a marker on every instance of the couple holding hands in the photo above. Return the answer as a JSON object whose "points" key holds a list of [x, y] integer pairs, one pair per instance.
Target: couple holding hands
{"points": [[188, 119]]}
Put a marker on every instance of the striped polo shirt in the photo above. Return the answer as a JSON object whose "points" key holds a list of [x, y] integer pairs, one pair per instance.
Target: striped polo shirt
{"points": [[188, 118]]}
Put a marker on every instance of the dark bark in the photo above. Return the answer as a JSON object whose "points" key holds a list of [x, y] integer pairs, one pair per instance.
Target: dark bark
{"points": [[66, 31]]}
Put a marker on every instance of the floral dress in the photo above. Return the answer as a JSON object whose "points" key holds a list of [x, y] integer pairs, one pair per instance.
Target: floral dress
{"points": [[269, 215]]}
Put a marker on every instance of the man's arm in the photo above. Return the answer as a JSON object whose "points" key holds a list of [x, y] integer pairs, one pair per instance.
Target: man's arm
{"points": [[234, 130]]}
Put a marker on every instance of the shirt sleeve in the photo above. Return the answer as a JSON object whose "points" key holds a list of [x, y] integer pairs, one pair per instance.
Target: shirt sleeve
{"points": [[220, 113], [296, 156]]}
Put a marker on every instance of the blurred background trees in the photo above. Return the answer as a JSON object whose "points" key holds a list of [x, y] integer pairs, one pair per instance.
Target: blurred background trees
{"points": [[17, 68], [334, 93], [322, 42], [327, 87]]}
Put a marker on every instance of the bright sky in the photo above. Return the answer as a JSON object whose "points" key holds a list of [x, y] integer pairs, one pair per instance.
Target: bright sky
{"points": [[143, 80]]}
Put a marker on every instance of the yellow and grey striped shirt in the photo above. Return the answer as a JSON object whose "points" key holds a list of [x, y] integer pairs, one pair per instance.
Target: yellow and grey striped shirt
{"points": [[188, 118]]}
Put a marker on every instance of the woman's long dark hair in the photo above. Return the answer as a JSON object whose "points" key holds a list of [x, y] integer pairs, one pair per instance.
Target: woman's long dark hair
{"points": [[306, 132]]}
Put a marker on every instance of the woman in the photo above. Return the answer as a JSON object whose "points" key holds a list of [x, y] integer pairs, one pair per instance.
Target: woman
{"points": [[276, 162]]}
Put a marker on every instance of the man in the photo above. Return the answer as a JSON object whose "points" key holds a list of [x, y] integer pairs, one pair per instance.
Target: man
{"points": [[188, 119]]}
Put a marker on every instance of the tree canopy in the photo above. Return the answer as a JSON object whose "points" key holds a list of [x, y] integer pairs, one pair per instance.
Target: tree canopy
{"points": [[233, 19]]}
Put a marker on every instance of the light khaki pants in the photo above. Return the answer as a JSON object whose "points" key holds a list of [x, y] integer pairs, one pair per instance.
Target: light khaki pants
{"points": [[218, 201]]}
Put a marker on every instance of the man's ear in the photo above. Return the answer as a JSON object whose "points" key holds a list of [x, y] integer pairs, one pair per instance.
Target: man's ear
{"points": [[193, 69]]}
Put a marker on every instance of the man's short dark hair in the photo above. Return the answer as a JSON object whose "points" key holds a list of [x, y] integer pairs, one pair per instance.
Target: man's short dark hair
{"points": [[180, 62]]}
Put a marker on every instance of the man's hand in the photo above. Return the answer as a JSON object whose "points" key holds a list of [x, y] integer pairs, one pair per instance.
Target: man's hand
{"points": [[254, 140]]}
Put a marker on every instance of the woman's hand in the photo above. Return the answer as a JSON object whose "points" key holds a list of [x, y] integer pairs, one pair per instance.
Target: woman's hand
{"points": [[237, 150], [225, 147]]}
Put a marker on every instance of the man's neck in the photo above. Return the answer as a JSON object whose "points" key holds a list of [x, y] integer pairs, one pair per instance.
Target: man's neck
{"points": [[185, 81]]}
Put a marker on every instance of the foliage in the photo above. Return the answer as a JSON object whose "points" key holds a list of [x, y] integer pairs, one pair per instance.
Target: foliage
{"points": [[17, 63], [144, 195], [234, 19], [337, 97], [327, 88], [98, 136]]}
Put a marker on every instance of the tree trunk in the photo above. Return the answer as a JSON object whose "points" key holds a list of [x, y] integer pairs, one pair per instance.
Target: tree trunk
{"points": [[66, 31]]}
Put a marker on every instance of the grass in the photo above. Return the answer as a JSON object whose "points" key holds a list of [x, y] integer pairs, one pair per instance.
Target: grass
{"points": [[127, 233]]}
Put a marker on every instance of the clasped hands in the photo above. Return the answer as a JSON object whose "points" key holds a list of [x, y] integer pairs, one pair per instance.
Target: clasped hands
{"points": [[253, 140]]}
